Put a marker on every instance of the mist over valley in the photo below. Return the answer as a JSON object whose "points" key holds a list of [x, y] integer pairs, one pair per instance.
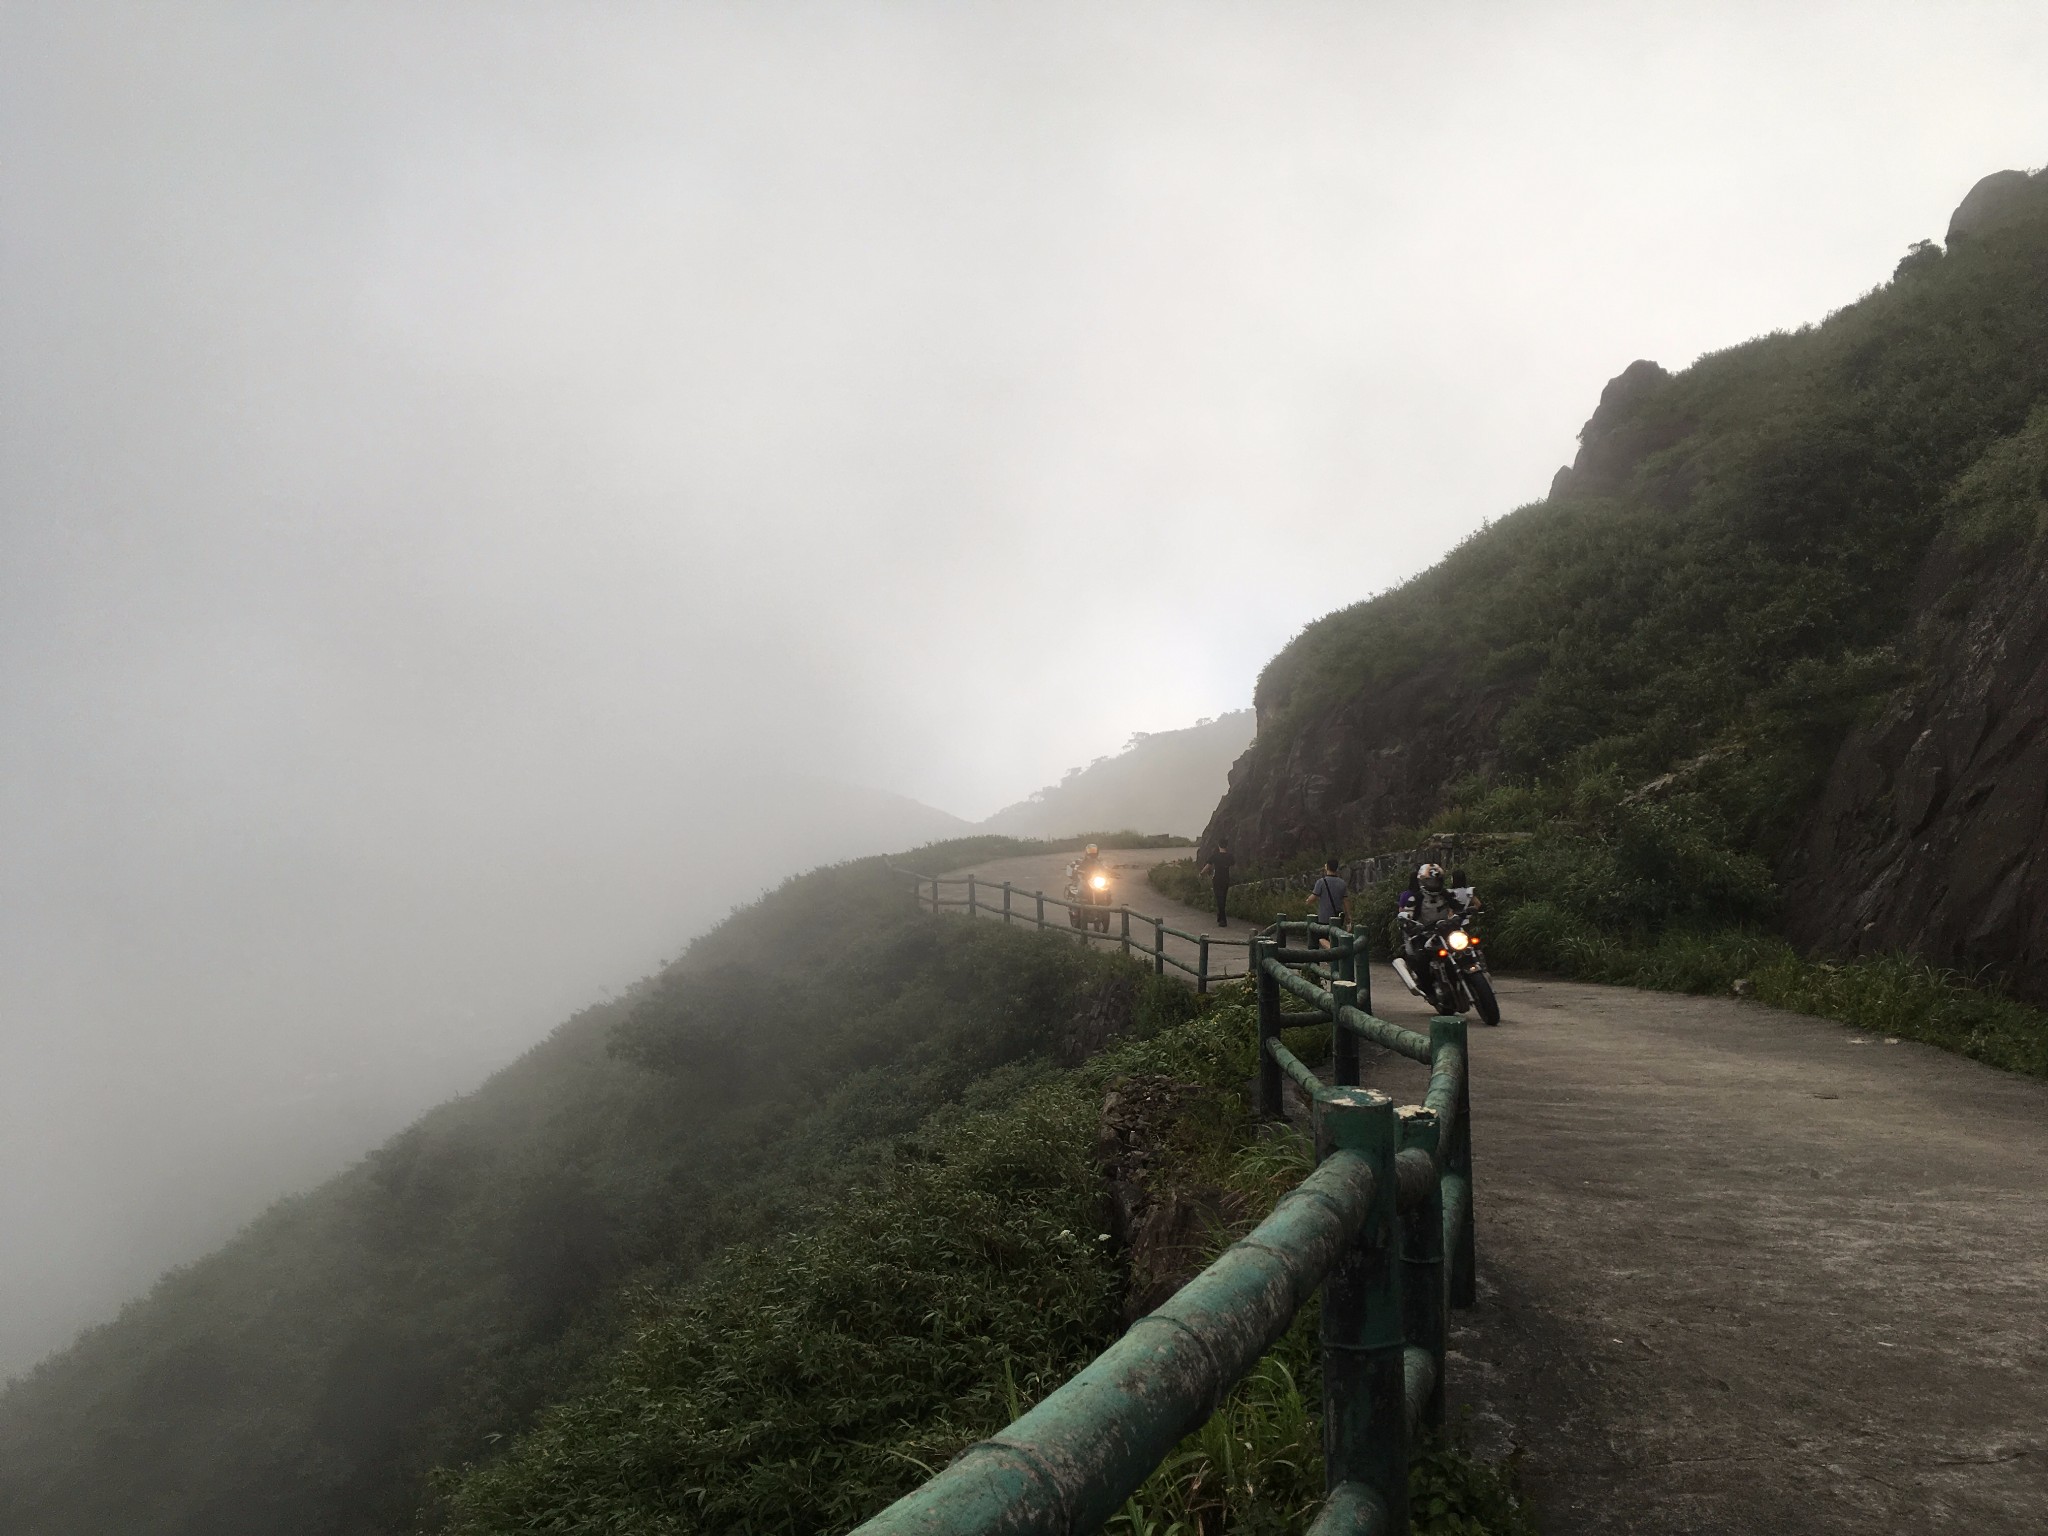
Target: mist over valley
{"points": [[515, 534]]}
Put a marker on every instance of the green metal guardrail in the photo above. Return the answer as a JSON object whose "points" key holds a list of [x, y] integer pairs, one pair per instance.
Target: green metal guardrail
{"points": [[1383, 1228], [1208, 965]]}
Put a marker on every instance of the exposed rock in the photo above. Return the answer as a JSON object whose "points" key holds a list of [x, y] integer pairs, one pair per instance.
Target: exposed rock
{"points": [[1623, 430], [1166, 1228], [1930, 833], [2000, 199], [1378, 762]]}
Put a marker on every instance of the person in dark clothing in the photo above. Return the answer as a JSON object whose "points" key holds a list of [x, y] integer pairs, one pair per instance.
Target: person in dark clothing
{"points": [[1333, 898], [1218, 871]]}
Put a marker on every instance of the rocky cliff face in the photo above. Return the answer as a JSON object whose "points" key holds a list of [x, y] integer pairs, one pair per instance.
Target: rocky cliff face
{"points": [[1375, 765], [1931, 833], [1918, 426]]}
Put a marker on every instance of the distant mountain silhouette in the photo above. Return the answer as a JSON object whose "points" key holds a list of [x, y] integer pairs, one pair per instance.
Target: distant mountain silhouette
{"points": [[1164, 781]]}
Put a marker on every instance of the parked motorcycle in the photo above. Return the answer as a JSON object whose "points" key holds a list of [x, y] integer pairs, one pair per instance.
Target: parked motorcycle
{"points": [[1088, 888], [1455, 979]]}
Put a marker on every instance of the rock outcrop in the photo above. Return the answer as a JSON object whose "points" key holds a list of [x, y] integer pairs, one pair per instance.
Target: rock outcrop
{"points": [[1377, 763], [2000, 200], [1930, 834], [1166, 1228], [1624, 429]]}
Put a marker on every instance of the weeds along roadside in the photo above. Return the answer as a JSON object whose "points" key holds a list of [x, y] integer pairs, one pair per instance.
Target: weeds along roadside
{"points": [[802, 1384]]}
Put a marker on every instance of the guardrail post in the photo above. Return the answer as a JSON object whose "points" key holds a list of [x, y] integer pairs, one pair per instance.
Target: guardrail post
{"points": [[1158, 946], [1423, 1319], [1457, 1159], [1361, 970], [1269, 1029], [1202, 965], [1127, 932], [1041, 911], [971, 908], [1365, 1401], [1006, 903], [1343, 1043]]}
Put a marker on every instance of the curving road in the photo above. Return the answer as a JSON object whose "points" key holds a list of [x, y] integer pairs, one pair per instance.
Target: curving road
{"points": [[1741, 1271], [1047, 872]]}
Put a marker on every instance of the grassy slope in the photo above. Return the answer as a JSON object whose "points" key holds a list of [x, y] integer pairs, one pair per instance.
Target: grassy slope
{"points": [[1747, 585], [800, 1385], [309, 1374], [1723, 617]]}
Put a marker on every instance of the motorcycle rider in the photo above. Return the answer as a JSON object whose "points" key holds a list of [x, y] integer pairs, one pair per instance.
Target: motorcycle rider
{"points": [[1421, 907]]}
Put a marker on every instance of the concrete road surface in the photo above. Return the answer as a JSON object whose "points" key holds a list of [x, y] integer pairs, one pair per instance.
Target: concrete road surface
{"points": [[1741, 1271]]}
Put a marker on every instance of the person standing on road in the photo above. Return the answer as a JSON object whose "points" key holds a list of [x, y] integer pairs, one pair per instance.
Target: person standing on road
{"points": [[1333, 898], [1218, 871]]}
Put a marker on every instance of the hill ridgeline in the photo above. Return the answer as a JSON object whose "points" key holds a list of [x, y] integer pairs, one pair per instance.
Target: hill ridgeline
{"points": [[1768, 653], [1163, 781]]}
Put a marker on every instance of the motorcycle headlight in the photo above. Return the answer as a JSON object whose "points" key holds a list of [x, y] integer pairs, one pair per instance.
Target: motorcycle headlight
{"points": [[1100, 882], [1459, 939]]}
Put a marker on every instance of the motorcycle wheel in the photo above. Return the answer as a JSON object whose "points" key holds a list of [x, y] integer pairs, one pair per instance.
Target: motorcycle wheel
{"points": [[1443, 994], [1482, 998]]}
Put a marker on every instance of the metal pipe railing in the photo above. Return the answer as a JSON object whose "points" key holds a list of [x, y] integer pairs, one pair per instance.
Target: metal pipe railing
{"points": [[1071, 1462], [1384, 1227], [1203, 969]]}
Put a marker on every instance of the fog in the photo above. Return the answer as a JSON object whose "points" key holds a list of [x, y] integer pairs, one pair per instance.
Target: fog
{"points": [[483, 489]]}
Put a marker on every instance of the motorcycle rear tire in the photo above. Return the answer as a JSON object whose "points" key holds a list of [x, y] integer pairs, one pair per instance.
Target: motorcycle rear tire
{"points": [[1483, 999]]}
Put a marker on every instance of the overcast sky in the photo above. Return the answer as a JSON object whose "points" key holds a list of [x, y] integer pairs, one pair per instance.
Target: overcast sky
{"points": [[450, 455]]}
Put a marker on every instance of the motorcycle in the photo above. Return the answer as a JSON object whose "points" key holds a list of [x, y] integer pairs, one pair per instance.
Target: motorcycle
{"points": [[1456, 978], [1088, 890]]}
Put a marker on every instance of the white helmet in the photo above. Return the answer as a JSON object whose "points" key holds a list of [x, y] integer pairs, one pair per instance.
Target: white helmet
{"points": [[1430, 877], [1092, 849]]}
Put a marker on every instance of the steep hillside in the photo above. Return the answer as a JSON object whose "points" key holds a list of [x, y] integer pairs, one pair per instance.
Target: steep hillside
{"points": [[1930, 835], [1738, 570], [427, 1303], [1166, 781]]}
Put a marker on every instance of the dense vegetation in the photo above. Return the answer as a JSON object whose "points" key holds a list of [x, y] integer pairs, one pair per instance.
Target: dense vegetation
{"points": [[1689, 626], [800, 1385], [422, 1306], [1727, 599], [748, 1250]]}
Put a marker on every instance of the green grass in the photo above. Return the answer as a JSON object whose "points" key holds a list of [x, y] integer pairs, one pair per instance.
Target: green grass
{"points": [[1899, 995], [802, 1384]]}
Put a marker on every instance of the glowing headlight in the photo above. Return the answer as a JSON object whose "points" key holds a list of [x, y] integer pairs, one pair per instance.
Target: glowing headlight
{"points": [[1459, 939], [1100, 882]]}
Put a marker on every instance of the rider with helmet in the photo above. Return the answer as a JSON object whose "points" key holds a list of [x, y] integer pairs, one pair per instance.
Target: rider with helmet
{"points": [[1421, 907]]}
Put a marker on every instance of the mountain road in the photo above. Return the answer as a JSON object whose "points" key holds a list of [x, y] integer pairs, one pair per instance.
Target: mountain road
{"points": [[1740, 1270]]}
